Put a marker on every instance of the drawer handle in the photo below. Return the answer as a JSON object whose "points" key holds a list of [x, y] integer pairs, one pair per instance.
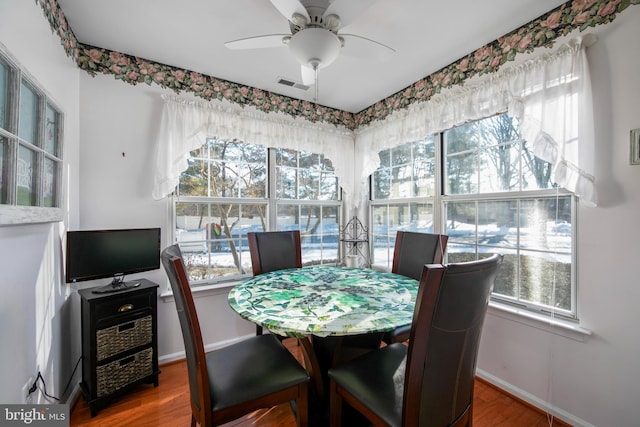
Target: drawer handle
{"points": [[126, 326], [127, 360], [125, 307]]}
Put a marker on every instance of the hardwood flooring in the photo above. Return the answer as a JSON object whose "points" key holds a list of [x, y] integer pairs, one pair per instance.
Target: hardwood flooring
{"points": [[168, 406]]}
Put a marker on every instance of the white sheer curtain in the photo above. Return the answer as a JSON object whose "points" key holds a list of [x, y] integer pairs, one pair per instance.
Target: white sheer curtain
{"points": [[550, 95], [185, 125]]}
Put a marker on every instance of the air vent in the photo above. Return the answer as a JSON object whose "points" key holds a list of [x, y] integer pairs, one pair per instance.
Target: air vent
{"points": [[291, 83]]}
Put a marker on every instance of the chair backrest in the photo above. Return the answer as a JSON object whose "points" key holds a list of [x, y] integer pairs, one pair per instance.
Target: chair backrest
{"points": [[413, 250], [443, 346], [194, 348], [274, 250]]}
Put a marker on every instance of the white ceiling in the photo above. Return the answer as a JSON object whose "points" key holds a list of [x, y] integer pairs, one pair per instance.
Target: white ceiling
{"points": [[427, 35]]}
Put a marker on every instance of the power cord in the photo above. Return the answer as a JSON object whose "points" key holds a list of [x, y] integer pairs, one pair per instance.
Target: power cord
{"points": [[43, 390]]}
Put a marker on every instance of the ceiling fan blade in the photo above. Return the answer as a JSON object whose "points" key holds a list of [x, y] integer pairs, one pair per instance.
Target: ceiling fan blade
{"points": [[348, 10], [288, 7], [257, 42], [362, 47], [308, 75]]}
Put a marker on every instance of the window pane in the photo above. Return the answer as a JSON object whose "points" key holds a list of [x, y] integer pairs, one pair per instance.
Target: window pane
{"points": [[286, 158], [497, 225], [4, 95], [28, 118], [546, 224], [225, 169], [49, 185], [406, 171], [305, 176], [212, 237], [541, 274], [534, 235], [462, 173], [500, 168], [390, 218], [536, 173], [51, 131], [319, 230], [4, 169], [26, 177], [194, 181], [460, 224], [287, 183]]}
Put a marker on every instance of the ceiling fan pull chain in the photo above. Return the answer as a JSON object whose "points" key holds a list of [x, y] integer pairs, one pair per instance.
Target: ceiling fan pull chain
{"points": [[315, 71]]}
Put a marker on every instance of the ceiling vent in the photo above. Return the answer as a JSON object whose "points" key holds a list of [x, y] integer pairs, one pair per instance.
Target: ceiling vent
{"points": [[291, 83]]}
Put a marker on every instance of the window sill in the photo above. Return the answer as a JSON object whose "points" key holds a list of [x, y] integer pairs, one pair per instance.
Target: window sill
{"points": [[202, 291], [556, 326], [19, 215]]}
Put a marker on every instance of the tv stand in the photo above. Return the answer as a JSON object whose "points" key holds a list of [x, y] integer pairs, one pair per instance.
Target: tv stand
{"points": [[119, 342]]}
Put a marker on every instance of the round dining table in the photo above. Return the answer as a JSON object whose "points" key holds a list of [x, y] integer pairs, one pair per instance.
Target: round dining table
{"points": [[326, 301], [337, 313]]}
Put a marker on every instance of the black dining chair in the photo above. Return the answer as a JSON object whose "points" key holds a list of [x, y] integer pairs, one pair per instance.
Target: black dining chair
{"points": [[274, 250], [230, 382], [428, 382], [411, 252]]}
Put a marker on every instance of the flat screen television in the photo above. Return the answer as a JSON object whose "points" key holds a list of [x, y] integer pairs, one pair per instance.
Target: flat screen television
{"points": [[98, 254]]}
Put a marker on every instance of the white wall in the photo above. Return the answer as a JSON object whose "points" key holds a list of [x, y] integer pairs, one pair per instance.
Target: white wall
{"points": [[597, 381], [40, 328], [115, 190]]}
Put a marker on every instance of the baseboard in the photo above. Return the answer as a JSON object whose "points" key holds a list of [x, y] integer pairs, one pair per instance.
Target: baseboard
{"points": [[168, 358], [534, 402]]}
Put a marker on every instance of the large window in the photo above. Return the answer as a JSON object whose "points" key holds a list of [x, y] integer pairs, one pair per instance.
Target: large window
{"points": [[492, 195], [231, 188], [30, 149]]}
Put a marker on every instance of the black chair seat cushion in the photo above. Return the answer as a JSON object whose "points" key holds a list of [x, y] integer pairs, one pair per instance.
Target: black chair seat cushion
{"points": [[399, 334], [250, 369], [367, 378]]}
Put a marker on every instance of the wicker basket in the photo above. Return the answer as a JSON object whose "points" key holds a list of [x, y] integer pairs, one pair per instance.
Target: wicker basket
{"points": [[125, 336], [119, 373]]}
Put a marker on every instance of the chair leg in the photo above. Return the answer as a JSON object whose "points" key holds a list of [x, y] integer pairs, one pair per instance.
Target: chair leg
{"points": [[258, 330], [193, 421], [335, 406], [302, 406]]}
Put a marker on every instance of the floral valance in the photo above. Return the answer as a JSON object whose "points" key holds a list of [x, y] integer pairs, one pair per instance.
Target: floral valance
{"points": [[550, 95], [185, 126]]}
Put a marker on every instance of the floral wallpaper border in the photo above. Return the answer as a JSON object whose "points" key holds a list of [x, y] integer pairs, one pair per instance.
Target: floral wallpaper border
{"points": [[541, 32]]}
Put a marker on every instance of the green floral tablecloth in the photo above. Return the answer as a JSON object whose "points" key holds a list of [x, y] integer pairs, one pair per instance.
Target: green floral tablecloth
{"points": [[326, 301]]}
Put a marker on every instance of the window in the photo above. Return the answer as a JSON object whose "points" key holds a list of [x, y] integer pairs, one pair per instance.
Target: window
{"points": [[30, 149], [231, 188], [494, 195], [403, 190]]}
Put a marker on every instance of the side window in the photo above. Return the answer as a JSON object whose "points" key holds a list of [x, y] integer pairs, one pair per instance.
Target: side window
{"points": [[30, 149]]}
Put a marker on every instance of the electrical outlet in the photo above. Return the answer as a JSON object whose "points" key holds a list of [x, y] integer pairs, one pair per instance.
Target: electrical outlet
{"points": [[26, 396]]}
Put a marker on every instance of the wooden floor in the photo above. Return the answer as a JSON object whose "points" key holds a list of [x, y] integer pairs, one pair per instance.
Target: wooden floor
{"points": [[168, 406]]}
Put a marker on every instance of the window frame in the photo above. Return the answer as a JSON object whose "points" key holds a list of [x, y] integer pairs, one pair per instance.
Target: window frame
{"points": [[440, 201], [11, 212], [271, 203]]}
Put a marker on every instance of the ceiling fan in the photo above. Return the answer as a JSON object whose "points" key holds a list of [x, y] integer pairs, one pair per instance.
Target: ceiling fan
{"points": [[315, 40]]}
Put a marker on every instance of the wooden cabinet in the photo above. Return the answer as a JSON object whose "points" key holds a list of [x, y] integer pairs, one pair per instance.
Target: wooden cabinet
{"points": [[119, 342]]}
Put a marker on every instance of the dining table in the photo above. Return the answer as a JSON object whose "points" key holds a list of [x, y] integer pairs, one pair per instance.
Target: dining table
{"points": [[335, 312]]}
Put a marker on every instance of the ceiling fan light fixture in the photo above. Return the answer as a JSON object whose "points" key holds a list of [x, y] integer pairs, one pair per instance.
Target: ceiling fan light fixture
{"points": [[315, 46]]}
